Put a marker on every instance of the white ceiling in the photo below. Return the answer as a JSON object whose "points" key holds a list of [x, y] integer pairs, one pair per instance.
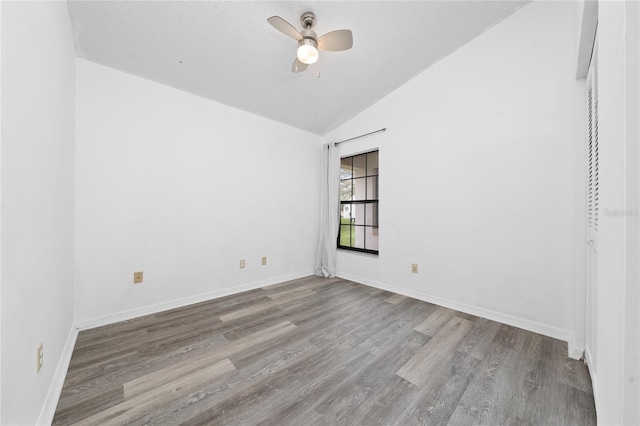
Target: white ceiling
{"points": [[226, 51]]}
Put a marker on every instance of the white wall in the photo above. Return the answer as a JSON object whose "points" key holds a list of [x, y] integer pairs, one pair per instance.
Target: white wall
{"points": [[631, 374], [618, 330], [0, 223], [182, 188], [38, 92], [477, 176], [631, 378]]}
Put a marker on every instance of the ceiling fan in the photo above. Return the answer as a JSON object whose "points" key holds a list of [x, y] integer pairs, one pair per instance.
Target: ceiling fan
{"points": [[308, 41]]}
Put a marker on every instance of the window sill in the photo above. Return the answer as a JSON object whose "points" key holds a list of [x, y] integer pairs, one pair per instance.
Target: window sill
{"points": [[359, 253]]}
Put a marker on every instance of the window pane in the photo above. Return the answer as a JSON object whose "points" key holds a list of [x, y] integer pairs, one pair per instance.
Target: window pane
{"points": [[346, 190], [359, 189], [371, 216], [358, 214], [372, 163], [345, 168], [345, 212], [372, 238], [345, 234], [359, 165], [372, 188], [357, 236]]}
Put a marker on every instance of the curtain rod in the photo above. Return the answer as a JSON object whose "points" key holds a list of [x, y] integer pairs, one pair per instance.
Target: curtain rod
{"points": [[361, 136]]}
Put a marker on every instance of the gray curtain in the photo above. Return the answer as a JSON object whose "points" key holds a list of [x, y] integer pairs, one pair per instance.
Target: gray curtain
{"points": [[329, 211]]}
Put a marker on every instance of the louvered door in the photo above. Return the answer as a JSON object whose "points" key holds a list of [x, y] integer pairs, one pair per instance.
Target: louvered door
{"points": [[592, 151], [592, 212]]}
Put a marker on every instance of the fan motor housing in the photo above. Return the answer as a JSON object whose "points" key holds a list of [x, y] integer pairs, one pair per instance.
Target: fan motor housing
{"points": [[308, 37]]}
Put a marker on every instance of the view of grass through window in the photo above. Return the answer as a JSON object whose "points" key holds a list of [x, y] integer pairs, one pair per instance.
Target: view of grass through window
{"points": [[347, 239]]}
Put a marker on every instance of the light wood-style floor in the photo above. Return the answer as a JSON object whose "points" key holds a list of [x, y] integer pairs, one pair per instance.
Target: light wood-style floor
{"points": [[321, 351]]}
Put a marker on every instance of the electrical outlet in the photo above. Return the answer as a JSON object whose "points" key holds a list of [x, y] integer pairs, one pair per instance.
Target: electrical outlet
{"points": [[39, 357], [137, 277], [414, 268], [264, 260], [242, 264]]}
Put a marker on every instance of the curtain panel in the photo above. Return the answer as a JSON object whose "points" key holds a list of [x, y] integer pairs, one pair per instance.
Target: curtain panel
{"points": [[329, 211]]}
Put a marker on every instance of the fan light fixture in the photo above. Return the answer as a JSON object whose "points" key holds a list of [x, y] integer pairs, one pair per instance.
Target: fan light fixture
{"points": [[307, 52], [308, 41]]}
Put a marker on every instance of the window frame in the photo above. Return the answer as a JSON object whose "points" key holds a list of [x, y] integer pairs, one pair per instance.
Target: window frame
{"points": [[365, 201]]}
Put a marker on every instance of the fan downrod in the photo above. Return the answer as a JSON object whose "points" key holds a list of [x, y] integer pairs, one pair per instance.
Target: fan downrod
{"points": [[307, 20]]}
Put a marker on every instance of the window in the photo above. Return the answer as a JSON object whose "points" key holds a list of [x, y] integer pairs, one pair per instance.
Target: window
{"points": [[359, 203]]}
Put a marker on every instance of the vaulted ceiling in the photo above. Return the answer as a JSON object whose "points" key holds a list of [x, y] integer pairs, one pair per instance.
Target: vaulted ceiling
{"points": [[226, 51]]}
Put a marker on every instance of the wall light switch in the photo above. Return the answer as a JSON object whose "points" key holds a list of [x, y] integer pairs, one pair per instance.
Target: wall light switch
{"points": [[264, 260], [137, 277], [242, 264], [414, 268]]}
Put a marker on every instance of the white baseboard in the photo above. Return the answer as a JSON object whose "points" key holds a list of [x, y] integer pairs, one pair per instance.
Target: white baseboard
{"points": [[86, 324], [536, 327], [575, 352], [53, 394]]}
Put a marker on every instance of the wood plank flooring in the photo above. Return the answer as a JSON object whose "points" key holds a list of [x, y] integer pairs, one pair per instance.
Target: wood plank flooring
{"points": [[318, 351]]}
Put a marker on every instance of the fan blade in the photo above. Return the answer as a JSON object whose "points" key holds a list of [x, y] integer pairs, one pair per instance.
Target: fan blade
{"points": [[284, 27], [298, 66], [336, 40]]}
